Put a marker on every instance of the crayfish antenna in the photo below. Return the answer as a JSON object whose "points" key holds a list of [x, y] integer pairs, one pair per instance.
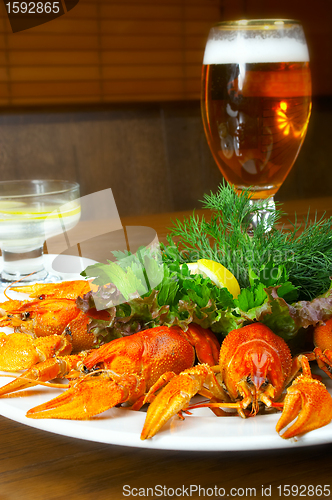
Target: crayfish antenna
{"points": [[65, 289]]}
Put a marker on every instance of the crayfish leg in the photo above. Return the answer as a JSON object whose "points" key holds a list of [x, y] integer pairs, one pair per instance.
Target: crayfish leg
{"points": [[161, 382], [324, 360], [57, 367], [65, 289]]}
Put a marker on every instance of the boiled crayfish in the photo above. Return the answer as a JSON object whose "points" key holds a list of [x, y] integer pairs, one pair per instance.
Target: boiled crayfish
{"points": [[124, 370], [47, 330], [53, 312], [323, 347], [255, 366]]}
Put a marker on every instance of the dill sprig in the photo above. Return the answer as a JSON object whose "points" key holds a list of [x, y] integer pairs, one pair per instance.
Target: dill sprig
{"points": [[305, 251]]}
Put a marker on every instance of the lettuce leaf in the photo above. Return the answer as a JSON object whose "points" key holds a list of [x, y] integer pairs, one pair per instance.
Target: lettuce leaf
{"points": [[287, 319]]}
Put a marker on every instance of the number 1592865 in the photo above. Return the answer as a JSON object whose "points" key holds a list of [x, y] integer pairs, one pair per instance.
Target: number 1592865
{"points": [[33, 7], [304, 490]]}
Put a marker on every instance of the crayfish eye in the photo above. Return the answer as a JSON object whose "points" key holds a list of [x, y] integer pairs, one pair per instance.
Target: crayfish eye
{"points": [[25, 315], [42, 297], [91, 370], [68, 331]]}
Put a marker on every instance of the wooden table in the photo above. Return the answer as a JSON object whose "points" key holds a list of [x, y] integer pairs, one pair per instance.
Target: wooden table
{"points": [[35, 465]]}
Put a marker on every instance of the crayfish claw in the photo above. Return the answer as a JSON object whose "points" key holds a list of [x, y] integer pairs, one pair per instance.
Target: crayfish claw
{"points": [[89, 397], [75, 404], [175, 396], [309, 401]]}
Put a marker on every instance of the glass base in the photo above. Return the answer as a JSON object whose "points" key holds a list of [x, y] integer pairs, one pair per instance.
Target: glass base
{"points": [[261, 216], [25, 268], [6, 280]]}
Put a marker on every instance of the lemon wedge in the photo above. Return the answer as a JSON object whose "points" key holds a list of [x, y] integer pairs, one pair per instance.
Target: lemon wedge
{"points": [[217, 273]]}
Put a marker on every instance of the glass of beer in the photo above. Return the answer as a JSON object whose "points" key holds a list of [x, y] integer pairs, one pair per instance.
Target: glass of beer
{"points": [[256, 101]]}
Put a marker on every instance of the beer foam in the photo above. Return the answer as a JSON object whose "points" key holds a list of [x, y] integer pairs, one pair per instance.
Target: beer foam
{"points": [[255, 50]]}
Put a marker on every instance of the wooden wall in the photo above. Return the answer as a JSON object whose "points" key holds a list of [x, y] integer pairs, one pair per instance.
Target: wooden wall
{"points": [[155, 157], [108, 51]]}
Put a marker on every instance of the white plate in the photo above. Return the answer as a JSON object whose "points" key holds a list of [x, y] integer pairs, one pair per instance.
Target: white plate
{"points": [[202, 431]]}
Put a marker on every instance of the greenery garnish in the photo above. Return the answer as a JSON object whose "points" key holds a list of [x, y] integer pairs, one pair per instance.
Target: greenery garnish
{"points": [[274, 268], [305, 251]]}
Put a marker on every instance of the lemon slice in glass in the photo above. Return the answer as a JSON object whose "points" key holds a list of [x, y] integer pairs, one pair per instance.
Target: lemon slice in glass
{"points": [[217, 273], [11, 206]]}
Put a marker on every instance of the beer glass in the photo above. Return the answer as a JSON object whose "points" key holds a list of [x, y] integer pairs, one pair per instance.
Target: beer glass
{"points": [[256, 102]]}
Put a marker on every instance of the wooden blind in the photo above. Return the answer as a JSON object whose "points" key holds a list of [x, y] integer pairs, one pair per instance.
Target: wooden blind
{"points": [[108, 51]]}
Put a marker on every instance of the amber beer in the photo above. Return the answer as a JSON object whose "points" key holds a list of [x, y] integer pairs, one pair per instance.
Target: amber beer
{"points": [[256, 109]]}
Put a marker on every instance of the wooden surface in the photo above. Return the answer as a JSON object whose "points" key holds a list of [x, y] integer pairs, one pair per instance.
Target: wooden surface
{"points": [[162, 222], [35, 465]]}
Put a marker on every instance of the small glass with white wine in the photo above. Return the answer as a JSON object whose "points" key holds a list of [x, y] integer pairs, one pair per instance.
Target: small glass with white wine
{"points": [[30, 211]]}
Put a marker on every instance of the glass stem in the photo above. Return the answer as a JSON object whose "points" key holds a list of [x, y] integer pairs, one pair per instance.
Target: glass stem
{"points": [[20, 266], [262, 215]]}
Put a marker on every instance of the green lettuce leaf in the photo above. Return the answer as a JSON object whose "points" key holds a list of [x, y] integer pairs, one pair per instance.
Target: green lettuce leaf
{"points": [[140, 291], [286, 319]]}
